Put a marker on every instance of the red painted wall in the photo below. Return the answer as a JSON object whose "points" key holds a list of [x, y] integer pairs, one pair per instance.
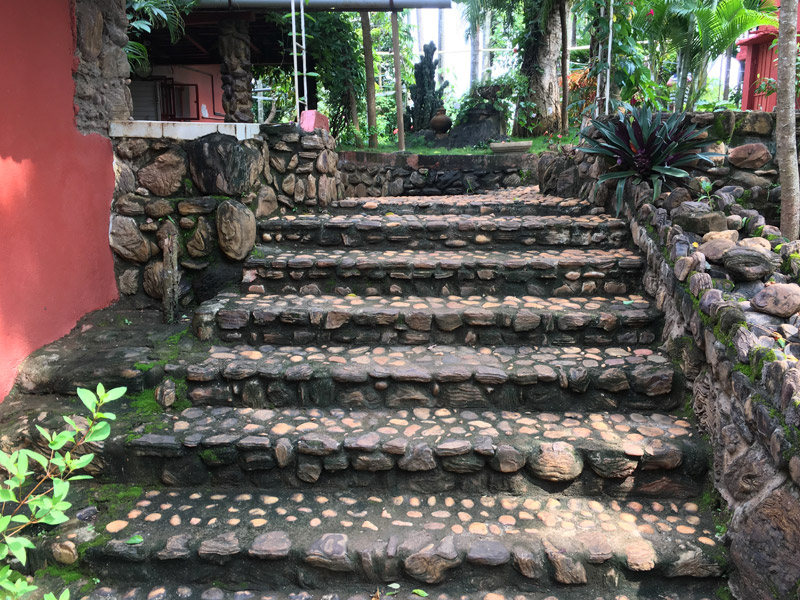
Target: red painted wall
{"points": [[55, 188]]}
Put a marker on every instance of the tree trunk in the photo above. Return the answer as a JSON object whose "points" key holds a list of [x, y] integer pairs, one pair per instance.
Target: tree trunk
{"points": [[486, 62], [420, 43], [539, 63], [354, 115], [474, 56], [726, 83], [562, 11], [398, 85], [440, 77], [785, 128], [369, 67]]}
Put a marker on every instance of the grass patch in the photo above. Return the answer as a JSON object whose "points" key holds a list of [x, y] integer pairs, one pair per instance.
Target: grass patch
{"points": [[66, 573]]}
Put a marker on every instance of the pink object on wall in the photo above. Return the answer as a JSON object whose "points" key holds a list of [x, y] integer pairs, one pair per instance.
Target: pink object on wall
{"points": [[313, 119], [56, 188]]}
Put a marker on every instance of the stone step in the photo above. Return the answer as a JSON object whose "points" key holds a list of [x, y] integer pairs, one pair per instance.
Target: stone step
{"points": [[421, 450], [279, 539], [557, 272], [516, 201], [291, 319], [545, 378], [444, 231], [668, 588]]}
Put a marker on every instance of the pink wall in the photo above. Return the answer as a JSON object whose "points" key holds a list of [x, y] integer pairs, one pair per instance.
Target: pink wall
{"points": [[55, 188], [208, 93]]}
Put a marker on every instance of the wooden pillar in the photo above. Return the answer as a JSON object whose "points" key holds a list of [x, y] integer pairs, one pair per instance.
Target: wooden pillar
{"points": [[398, 88], [369, 67]]}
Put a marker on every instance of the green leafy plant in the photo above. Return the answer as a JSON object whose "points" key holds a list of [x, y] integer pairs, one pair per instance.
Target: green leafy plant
{"points": [[37, 496], [646, 146], [146, 15]]}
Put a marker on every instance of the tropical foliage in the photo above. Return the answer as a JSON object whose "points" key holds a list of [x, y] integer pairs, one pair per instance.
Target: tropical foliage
{"points": [[36, 487], [146, 15], [646, 146]]}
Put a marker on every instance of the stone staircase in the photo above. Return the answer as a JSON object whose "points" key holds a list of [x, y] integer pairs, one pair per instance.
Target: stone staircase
{"points": [[458, 397]]}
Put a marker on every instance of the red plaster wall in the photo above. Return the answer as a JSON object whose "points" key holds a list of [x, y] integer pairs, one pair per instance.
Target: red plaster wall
{"points": [[55, 188]]}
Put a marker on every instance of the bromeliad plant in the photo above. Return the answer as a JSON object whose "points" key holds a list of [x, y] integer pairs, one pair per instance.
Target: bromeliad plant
{"points": [[646, 146], [30, 497]]}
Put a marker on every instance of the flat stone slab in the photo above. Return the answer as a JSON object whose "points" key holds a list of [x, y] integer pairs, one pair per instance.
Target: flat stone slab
{"points": [[546, 378], [291, 319], [631, 454], [444, 231], [558, 272], [431, 538], [525, 200]]}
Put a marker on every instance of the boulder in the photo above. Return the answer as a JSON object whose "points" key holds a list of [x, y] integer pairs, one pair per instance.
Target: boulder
{"points": [[747, 264], [164, 176], [780, 299], [749, 156], [715, 248], [236, 229], [697, 217], [220, 164], [127, 240]]}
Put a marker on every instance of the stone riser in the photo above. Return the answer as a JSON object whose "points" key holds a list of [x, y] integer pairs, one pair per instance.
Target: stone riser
{"points": [[467, 336], [292, 320], [243, 572], [224, 466], [257, 392], [438, 283], [306, 233], [652, 587]]}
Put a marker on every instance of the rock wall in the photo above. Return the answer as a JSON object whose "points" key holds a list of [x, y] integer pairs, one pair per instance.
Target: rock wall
{"points": [[209, 192], [732, 325], [101, 70], [400, 174], [746, 165]]}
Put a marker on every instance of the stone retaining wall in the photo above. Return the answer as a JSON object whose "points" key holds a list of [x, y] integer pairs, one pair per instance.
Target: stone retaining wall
{"points": [[208, 192], [731, 325], [402, 174], [746, 166], [101, 68]]}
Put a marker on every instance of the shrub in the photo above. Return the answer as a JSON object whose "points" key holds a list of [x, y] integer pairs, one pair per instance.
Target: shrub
{"points": [[39, 498], [646, 146]]}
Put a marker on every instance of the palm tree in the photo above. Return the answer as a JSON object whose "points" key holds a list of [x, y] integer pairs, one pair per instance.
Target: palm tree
{"points": [[700, 31]]}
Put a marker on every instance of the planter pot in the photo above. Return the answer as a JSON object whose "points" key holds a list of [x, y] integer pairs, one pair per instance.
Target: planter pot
{"points": [[440, 122]]}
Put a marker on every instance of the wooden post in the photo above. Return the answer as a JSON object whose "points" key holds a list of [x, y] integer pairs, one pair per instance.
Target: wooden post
{"points": [[369, 67], [398, 89]]}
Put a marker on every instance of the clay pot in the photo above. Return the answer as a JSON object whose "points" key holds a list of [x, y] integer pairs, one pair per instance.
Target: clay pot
{"points": [[440, 122]]}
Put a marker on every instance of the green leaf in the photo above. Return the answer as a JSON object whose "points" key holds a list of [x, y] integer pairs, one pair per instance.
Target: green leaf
{"points": [[7, 495], [420, 593], [99, 432], [17, 547], [627, 302], [394, 586], [114, 394], [88, 398], [134, 540]]}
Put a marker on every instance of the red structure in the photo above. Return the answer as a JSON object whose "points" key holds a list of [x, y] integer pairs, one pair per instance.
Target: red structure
{"points": [[57, 186], [758, 61]]}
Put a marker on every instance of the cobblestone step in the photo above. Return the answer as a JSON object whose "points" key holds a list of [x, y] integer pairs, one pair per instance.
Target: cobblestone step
{"points": [[440, 541], [517, 201], [557, 272], [422, 450], [291, 319], [654, 589], [546, 378], [444, 231]]}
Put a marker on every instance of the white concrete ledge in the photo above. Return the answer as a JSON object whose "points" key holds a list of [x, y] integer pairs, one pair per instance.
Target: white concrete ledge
{"points": [[180, 130]]}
